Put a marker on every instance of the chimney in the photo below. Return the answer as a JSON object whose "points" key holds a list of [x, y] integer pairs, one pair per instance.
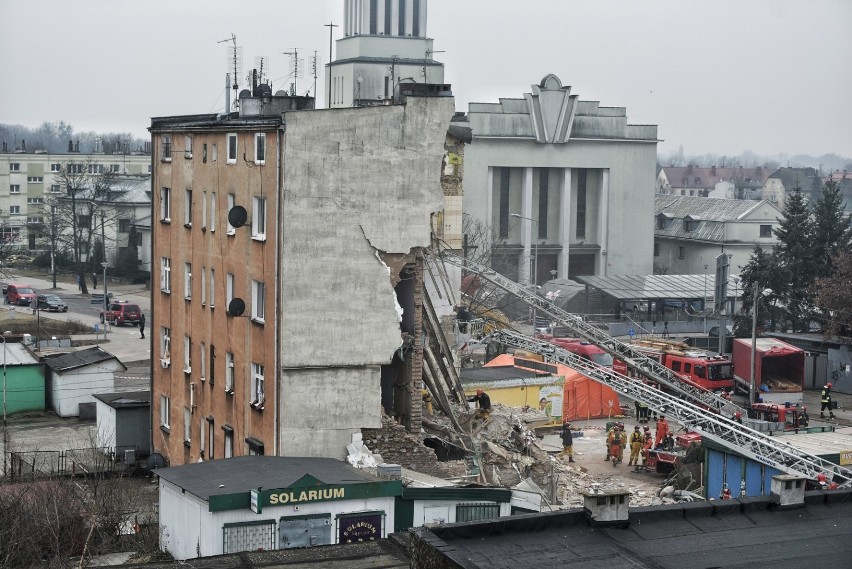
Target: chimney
{"points": [[23, 145], [77, 146], [5, 146], [713, 171], [788, 490], [689, 170], [254, 82], [227, 93], [606, 507], [70, 146]]}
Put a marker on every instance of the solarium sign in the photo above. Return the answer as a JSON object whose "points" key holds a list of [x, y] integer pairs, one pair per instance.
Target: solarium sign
{"points": [[298, 496]]}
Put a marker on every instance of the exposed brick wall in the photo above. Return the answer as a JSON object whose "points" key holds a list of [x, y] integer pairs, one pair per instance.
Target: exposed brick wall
{"points": [[415, 379]]}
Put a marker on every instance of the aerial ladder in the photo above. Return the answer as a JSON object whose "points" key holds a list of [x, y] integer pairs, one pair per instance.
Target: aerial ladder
{"points": [[713, 426], [633, 357]]}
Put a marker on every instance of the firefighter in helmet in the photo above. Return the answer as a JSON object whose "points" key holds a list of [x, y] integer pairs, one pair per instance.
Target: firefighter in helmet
{"points": [[825, 402]]}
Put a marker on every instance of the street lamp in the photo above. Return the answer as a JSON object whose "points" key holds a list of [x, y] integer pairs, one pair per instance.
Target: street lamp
{"points": [[751, 385], [535, 265], [106, 295]]}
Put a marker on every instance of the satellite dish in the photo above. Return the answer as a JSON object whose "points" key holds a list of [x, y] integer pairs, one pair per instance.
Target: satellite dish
{"points": [[236, 307], [281, 93], [237, 216], [245, 94], [264, 90], [156, 461]]}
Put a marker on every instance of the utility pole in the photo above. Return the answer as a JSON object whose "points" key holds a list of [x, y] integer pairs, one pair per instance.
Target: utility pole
{"points": [[331, 25]]}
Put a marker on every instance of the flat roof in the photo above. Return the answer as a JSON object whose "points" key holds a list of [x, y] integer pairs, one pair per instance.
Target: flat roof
{"points": [[497, 373], [636, 287], [125, 400]]}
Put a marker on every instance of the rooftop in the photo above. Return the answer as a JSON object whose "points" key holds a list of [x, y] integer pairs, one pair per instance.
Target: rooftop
{"points": [[125, 400], [80, 358]]}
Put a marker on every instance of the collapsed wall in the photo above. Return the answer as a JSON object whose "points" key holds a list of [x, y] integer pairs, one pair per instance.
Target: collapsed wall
{"points": [[360, 185]]}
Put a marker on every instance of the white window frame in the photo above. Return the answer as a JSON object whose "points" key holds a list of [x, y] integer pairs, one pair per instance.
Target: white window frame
{"points": [[232, 200], [166, 148], [55, 167], [212, 211], [203, 286], [212, 288], [229, 288], [14, 188], [214, 152], [55, 188], [229, 372], [258, 301], [260, 148], [187, 207], [165, 275], [258, 386], [202, 431], [165, 204], [258, 218], [229, 444], [232, 147], [187, 424], [187, 354], [165, 346], [14, 209], [202, 366], [115, 168], [165, 411], [187, 281], [14, 166], [187, 147]]}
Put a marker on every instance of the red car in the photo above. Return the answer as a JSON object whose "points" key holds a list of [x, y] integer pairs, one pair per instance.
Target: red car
{"points": [[122, 312], [20, 294]]}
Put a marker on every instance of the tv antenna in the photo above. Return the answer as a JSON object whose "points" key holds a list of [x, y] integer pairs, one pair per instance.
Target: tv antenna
{"points": [[235, 63], [296, 69], [262, 65], [314, 66], [429, 53]]}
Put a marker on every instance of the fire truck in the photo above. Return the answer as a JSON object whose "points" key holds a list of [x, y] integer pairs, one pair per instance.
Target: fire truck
{"points": [[585, 350], [697, 367], [780, 417]]}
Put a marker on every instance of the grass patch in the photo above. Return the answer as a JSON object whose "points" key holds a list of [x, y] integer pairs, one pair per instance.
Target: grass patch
{"points": [[25, 323]]}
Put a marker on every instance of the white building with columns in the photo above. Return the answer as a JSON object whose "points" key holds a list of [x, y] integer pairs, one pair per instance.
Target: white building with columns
{"points": [[384, 42], [564, 177]]}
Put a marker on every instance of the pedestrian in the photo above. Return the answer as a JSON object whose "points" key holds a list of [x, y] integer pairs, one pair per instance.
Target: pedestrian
{"points": [[610, 437], [94, 281], [665, 329], [825, 400], [726, 493], [142, 325], [79, 283], [662, 430], [635, 446], [567, 441], [484, 401]]}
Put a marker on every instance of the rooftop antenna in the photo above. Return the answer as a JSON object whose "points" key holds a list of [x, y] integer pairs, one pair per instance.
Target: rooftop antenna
{"points": [[314, 65], [262, 65], [296, 69], [331, 25], [429, 53], [235, 59]]}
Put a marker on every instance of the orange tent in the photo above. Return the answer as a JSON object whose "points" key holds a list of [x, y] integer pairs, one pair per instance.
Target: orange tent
{"points": [[582, 397]]}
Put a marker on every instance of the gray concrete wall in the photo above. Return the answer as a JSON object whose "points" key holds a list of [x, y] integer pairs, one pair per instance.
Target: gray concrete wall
{"points": [[358, 183]]}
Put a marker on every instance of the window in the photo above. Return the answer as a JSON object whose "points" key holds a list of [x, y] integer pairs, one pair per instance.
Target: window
{"points": [[374, 14], [681, 253], [165, 204], [187, 424], [214, 152], [15, 189], [689, 224], [187, 354], [212, 211], [212, 367], [415, 30], [675, 366], [656, 249], [212, 288], [687, 367], [388, 18], [766, 231], [115, 168], [258, 301], [543, 182], [35, 179], [96, 168], [84, 221], [258, 219], [165, 274], [232, 148], [35, 220], [257, 387], [187, 280], [203, 286], [166, 148], [14, 167], [35, 201], [202, 361], [661, 222], [260, 148], [187, 147], [204, 153], [74, 168], [165, 346], [202, 431], [255, 447], [124, 226], [504, 203], [187, 208], [203, 210], [55, 188], [229, 441], [582, 174], [475, 512], [164, 411], [231, 201], [229, 288], [55, 167], [14, 209], [229, 372], [402, 18]]}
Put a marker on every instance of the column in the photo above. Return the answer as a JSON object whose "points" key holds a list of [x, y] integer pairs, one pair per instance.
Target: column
{"points": [[564, 224], [526, 227], [603, 222], [489, 199], [409, 17]]}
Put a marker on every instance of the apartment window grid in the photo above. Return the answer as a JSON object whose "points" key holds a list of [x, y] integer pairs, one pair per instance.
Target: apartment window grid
{"points": [[504, 203], [260, 148], [229, 288], [202, 361], [35, 179], [258, 301], [212, 288], [258, 219], [166, 148], [229, 372], [187, 354], [55, 189], [35, 221], [232, 200], [187, 207], [14, 188], [35, 201], [55, 167], [582, 174], [165, 274], [203, 210], [187, 424], [543, 196], [14, 166], [187, 281], [14, 209], [164, 411], [232, 148], [165, 346], [187, 147], [211, 438], [165, 204], [212, 211], [257, 384], [203, 286], [96, 168]]}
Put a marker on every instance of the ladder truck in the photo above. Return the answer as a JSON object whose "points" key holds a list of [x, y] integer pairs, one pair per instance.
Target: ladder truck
{"points": [[630, 355], [711, 425]]}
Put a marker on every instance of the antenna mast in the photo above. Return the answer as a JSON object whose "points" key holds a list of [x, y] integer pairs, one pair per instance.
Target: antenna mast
{"points": [[314, 65], [429, 53], [294, 64], [331, 25], [235, 59]]}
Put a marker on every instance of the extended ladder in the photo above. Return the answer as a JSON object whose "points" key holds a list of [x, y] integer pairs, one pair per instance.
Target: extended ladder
{"points": [[631, 356], [712, 426]]}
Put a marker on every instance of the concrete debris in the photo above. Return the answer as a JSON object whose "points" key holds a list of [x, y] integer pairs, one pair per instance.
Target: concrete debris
{"points": [[360, 456]]}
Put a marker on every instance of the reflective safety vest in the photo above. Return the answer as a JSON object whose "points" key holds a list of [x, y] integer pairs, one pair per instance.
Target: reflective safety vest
{"points": [[825, 396]]}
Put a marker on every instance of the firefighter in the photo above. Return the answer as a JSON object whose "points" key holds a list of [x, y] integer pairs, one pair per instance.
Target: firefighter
{"points": [[643, 412], [567, 441], [662, 430], [726, 493], [622, 442], [484, 403], [804, 419], [610, 436], [825, 400], [636, 440], [648, 444]]}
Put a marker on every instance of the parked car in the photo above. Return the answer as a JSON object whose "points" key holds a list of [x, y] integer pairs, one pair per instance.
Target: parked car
{"points": [[122, 312], [17, 260], [51, 302], [20, 294]]}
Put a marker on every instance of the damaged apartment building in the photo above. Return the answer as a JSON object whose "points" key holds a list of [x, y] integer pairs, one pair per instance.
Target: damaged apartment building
{"points": [[288, 278]]}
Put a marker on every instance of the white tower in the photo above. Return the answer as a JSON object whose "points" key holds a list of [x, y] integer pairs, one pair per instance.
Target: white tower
{"points": [[384, 43]]}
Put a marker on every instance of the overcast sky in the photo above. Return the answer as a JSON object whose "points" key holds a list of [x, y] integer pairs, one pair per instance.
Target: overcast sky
{"points": [[717, 76]]}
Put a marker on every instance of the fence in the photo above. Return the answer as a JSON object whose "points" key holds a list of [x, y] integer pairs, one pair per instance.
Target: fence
{"points": [[35, 464]]}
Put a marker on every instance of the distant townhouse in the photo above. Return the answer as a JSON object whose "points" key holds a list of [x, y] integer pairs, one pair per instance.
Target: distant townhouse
{"points": [[785, 180], [716, 182]]}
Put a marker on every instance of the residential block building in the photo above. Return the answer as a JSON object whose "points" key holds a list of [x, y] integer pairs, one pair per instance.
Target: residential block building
{"points": [[288, 284]]}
